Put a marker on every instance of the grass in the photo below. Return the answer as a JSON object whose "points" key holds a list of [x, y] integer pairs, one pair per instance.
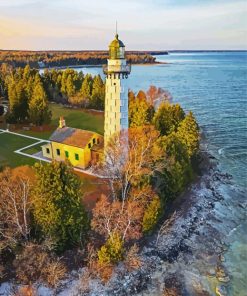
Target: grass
{"points": [[34, 149], [77, 118], [10, 143]]}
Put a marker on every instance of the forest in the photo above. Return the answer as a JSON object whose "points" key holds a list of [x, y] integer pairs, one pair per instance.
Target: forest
{"points": [[45, 229], [30, 92], [41, 59]]}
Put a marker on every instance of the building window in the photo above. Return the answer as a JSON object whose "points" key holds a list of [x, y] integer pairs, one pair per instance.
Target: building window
{"points": [[47, 150], [58, 152], [89, 145], [97, 141], [76, 156], [93, 140], [67, 154]]}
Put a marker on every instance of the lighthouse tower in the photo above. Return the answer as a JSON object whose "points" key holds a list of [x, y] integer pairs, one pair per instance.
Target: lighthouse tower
{"points": [[116, 92]]}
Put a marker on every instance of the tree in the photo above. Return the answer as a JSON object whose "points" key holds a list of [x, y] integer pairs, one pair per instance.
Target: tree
{"points": [[168, 117], [70, 88], [178, 171], [15, 207], [98, 93], [140, 111], [17, 99], [113, 250], [123, 218], [39, 112], [86, 88], [188, 133], [151, 215], [129, 157], [58, 208]]}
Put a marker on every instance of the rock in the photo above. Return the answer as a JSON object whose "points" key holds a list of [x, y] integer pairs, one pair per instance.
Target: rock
{"points": [[221, 290], [211, 272], [224, 279], [222, 258]]}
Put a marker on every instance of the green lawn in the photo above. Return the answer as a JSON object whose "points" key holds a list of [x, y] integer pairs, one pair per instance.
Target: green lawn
{"points": [[34, 149], [8, 144], [77, 118], [74, 118]]}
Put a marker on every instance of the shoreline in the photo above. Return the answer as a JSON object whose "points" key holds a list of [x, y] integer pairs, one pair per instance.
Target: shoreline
{"points": [[97, 66], [188, 257]]}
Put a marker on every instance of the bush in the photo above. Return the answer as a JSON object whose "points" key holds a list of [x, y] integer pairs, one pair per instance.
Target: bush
{"points": [[112, 251], [132, 261], [34, 264], [151, 215]]}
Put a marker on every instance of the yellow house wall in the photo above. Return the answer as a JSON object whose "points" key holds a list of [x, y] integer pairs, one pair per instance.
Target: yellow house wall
{"points": [[82, 162], [84, 154]]}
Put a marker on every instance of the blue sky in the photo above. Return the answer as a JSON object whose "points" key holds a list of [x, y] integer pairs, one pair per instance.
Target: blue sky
{"points": [[142, 24]]}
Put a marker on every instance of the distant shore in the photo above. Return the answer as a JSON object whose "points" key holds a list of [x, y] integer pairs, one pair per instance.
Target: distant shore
{"points": [[99, 66]]}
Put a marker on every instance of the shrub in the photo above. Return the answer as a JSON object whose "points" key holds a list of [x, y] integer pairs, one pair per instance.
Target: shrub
{"points": [[112, 251], [151, 215], [132, 260], [34, 264]]}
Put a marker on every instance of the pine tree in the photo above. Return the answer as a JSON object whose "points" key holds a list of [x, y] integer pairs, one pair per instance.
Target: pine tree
{"points": [[70, 88], [140, 111], [18, 100], [39, 112], [58, 209], [188, 133], [98, 93], [86, 87], [168, 117]]}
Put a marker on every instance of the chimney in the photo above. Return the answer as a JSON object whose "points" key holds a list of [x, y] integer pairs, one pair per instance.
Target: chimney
{"points": [[62, 122]]}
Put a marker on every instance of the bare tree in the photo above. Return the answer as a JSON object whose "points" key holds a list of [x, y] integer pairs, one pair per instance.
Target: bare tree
{"points": [[130, 156], [14, 208]]}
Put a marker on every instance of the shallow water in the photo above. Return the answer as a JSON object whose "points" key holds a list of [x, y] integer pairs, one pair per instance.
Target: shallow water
{"points": [[214, 87]]}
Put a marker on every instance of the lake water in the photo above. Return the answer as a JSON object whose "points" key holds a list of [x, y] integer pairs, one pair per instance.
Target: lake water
{"points": [[214, 87]]}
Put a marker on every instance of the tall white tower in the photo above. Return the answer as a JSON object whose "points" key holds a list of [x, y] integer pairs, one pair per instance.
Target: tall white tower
{"points": [[116, 93]]}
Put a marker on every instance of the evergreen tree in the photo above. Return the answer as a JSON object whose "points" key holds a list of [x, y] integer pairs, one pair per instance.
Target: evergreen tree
{"points": [[140, 111], [58, 209], [188, 133], [86, 87], [168, 117], [70, 88], [17, 100], [98, 93], [39, 112]]}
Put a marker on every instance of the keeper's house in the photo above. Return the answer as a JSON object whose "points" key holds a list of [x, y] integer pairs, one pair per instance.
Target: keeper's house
{"points": [[82, 148]]}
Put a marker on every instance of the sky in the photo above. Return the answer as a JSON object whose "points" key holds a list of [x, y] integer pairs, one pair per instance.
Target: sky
{"points": [[142, 24]]}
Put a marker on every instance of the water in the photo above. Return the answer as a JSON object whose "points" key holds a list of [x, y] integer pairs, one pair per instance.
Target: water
{"points": [[214, 87]]}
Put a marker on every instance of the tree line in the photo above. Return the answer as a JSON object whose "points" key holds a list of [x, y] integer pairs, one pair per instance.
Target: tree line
{"points": [[29, 92], [43, 217], [37, 59]]}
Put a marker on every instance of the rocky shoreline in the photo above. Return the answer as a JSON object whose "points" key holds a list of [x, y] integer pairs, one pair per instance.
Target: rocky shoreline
{"points": [[188, 258], [185, 257]]}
